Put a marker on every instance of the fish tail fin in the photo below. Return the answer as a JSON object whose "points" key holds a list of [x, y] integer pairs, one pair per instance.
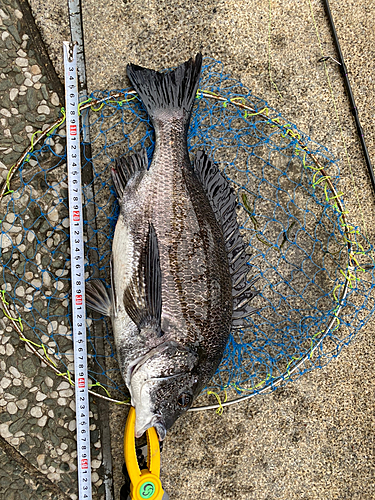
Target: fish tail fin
{"points": [[171, 93]]}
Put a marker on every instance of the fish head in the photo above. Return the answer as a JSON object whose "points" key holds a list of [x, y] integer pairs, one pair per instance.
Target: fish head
{"points": [[163, 386]]}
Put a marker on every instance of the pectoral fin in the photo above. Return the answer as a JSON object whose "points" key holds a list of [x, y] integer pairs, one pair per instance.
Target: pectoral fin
{"points": [[142, 298], [98, 297]]}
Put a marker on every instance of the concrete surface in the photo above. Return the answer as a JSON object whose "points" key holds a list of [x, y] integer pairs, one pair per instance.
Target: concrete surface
{"points": [[312, 439]]}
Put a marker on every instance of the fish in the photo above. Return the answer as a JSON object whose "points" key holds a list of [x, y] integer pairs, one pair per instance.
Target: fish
{"points": [[179, 264]]}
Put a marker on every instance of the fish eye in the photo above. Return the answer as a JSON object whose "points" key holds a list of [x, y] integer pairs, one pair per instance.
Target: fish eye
{"points": [[184, 400]]}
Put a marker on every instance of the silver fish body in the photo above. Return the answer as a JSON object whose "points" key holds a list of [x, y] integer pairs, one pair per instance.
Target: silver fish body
{"points": [[173, 289]]}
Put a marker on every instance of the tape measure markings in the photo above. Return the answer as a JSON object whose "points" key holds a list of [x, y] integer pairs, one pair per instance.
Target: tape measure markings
{"points": [[77, 260]]}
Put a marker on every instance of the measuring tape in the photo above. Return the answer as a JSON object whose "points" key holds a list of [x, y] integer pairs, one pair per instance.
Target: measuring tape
{"points": [[77, 271]]}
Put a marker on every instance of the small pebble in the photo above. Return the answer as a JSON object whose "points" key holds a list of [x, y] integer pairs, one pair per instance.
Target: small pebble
{"points": [[35, 70], [94, 477], [22, 404], [36, 411], [53, 215], [67, 393], [3, 15], [22, 62], [43, 109], [26, 381], [13, 94], [12, 408], [42, 421], [48, 381], [13, 371], [95, 464], [54, 476], [59, 148], [63, 385], [52, 327], [37, 283], [9, 349], [5, 382], [40, 396], [4, 431], [55, 99]]}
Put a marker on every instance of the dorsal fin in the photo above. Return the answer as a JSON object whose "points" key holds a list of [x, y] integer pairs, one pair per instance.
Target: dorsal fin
{"points": [[223, 202], [127, 167], [142, 298]]}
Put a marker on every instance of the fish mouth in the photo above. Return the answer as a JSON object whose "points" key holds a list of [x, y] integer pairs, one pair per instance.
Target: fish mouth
{"points": [[156, 421]]}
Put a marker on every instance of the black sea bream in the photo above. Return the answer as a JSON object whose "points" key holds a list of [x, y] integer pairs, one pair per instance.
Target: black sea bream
{"points": [[179, 267]]}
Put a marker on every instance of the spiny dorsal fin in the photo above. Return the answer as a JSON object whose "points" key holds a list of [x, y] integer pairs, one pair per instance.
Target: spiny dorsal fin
{"points": [[223, 202], [127, 167], [142, 298]]}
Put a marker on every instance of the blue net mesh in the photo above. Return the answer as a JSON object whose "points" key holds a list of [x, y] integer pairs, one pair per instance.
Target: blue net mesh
{"points": [[315, 289]]}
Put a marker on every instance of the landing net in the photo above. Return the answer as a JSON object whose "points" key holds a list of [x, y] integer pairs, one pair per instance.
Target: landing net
{"points": [[316, 287]]}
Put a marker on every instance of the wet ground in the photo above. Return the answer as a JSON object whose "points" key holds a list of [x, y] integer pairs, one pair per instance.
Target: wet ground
{"points": [[313, 438]]}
